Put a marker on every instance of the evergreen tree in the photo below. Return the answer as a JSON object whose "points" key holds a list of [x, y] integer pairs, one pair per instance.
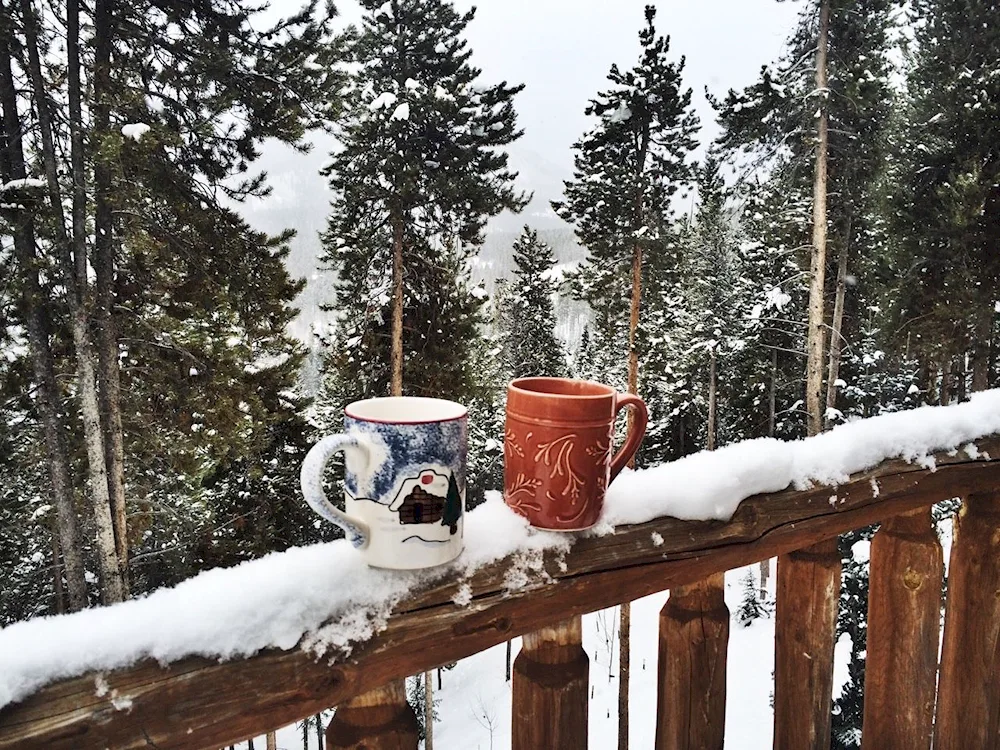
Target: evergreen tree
{"points": [[771, 125], [179, 338], [531, 344], [627, 169], [420, 171], [946, 202], [751, 608]]}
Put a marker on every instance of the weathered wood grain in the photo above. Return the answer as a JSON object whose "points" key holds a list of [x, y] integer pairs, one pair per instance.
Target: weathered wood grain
{"points": [[380, 719], [550, 683], [805, 631], [691, 668], [969, 685], [199, 703], [904, 611]]}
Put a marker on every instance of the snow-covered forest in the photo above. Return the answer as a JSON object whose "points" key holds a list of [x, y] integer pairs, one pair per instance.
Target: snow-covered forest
{"points": [[827, 250]]}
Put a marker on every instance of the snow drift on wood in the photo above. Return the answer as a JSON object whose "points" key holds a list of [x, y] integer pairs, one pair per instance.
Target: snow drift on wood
{"points": [[324, 597]]}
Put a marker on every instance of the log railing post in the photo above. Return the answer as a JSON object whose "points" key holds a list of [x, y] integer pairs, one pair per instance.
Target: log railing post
{"points": [[805, 630], [377, 720], [969, 683], [694, 636], [550, 689], [904, 612]]}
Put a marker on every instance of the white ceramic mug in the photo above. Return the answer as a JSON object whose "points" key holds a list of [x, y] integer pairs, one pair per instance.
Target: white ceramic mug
{"points": [[404, 481]]}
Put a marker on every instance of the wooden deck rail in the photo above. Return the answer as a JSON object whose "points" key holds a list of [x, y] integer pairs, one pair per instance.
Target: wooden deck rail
{"points": [[200, 703]]}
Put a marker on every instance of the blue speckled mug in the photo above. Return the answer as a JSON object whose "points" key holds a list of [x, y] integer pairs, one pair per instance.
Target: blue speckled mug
{"points": [[404, 483]]}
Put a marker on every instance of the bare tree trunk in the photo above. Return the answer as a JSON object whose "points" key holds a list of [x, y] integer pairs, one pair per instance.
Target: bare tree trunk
{"points": [[272, 741], [250, 744], [981, 348], [772, 393], [76, 285], [624, 665], [959, 378], [765, 572], [817, 269], [59, 598], [945, 381], [104, 268], [837, 327], [36, 323], [396, 356], [507, 671], [712, 395], [428, 712], [625, 613], [319, 731]]}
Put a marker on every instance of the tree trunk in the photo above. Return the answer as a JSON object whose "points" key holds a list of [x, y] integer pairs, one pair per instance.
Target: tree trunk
{"points": [[76, 285], [772, 394], [712, 390], [765, 573], [319, 731], [945, 381], [981, 348], [59, 598], [272, 741], [428, 711], [507, 671], [396, 356], [815, 340], [837, 327], [36, 323], [624, 667], [104, 268]]}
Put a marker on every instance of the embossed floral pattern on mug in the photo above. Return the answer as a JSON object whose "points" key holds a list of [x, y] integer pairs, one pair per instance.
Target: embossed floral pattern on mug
{"points": [[557, 449]]}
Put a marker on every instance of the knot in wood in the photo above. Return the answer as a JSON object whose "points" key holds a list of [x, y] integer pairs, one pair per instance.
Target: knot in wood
{"points": [[912, 579]]}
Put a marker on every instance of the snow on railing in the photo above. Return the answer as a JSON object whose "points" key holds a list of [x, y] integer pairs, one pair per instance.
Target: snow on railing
{"points": [[317, 616]]}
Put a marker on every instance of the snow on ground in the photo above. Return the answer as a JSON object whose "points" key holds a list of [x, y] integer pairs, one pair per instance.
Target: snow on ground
{"points": [[284, 599]]}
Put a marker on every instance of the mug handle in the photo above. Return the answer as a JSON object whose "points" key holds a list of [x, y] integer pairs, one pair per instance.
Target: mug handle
{"points": [[634, 437], [311, 478]]}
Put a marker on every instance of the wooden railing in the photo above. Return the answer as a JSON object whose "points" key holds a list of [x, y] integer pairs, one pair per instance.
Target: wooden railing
{"points": [[910, 699]]}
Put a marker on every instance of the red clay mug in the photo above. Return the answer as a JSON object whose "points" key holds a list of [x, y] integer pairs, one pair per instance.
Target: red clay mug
{"points": [[557, 449]]}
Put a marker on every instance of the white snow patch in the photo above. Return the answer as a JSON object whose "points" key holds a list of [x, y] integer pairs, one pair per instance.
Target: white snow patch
{"points": [[862, 550], [22, 184], [383, 101], [710, 485], [402, 112], [463, 597], [135, 130], [657, 539]]}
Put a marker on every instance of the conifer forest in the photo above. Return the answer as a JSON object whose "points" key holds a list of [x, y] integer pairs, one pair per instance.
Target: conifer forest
{"points": [[817, 246]]}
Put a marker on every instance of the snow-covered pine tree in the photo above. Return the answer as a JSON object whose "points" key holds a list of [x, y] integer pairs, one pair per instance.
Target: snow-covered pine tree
{"points": [[532, 347], [770, 131], [627, 169], [946, 201], [751, 607], [200, 300], [421, 169]]}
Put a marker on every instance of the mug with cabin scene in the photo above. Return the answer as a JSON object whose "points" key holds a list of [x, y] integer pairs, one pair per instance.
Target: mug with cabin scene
{"points": [[404, 480]]}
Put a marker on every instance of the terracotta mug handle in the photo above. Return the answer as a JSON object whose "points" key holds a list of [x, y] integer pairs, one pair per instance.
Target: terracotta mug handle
{"points": [[634, 437]]}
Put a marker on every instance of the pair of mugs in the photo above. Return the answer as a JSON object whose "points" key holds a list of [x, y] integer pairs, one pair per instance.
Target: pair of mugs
{"points": [[405, 463]]}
